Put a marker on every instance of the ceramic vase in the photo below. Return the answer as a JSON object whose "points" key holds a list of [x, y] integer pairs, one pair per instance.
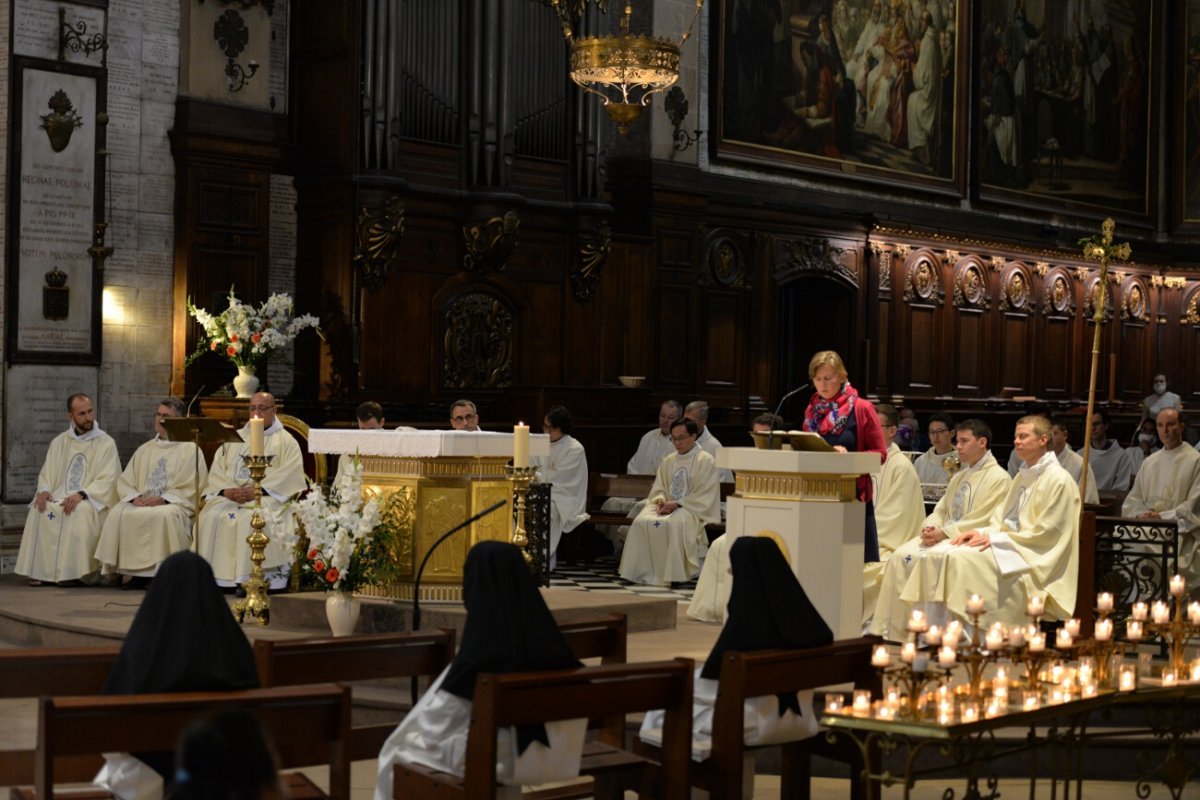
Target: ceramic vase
{"points": [[245, 383], [342, 610]]}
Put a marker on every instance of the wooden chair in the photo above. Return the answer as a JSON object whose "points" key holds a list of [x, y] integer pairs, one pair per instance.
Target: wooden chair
{"points": [[355, 658], [530, 697], [770, 672], [315, 465], [306, 726]]}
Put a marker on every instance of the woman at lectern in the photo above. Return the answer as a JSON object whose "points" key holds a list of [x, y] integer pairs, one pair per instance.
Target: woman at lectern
{"points": [[848, 422]]}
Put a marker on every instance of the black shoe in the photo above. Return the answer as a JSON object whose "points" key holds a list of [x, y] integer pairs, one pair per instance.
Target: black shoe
{"points": [[136, 583]]}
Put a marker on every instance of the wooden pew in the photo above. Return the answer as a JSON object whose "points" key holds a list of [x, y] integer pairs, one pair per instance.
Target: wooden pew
{"points": [[355, 658], [306, 726], [520, 698], [770, 672]]}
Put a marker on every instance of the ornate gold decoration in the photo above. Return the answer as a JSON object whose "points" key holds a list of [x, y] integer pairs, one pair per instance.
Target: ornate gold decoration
{"points": [[489, 245], [1176, 282], [1081, 273], [1134, 307], [256, 603], [1117, 276], [998, 263], [970, 288], [590, 257], [400, 511], [1017, 290], [952, 257], [1058, 294], [1097, 288], [1192, 315], [921, 282], [813, 255], [904, 250], [61, 122], [624, 71], [478, 343], [793, 486], [1041, 268], [520, 478], [951, 464], [885, 267], [377, 242], [1156, 281]]}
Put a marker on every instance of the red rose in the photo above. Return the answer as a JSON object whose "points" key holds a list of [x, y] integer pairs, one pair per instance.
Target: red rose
{"points": [[256, 338], [214, 344], [332, 575], [313, 554], [319, 565], [233, 337], [231, 351]]}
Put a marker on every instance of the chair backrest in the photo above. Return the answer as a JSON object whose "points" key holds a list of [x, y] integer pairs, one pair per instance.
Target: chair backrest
{"points": [[519, 698], [603, 638], [315, 465], [602, 485], [306, 725]]}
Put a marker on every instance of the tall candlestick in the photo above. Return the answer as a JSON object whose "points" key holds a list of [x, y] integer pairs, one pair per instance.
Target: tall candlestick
{"points": [[257, 441], [520, 445]]}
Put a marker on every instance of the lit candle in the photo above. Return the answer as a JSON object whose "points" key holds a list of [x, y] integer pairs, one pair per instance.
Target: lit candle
{"points": [[893, 698], [862, 702], [993, 640], [1104, 630], [520, 445], [974, 604], [833, 703], [1001, 678], [1056, 673], [1177, 586], [1089, 689], [1032, 702], [945, 717], [1086, 668], [880, 658], [1128, 679], [933, 635], [1140, 610], [1072, 625], [1133, 630], [1168, 677], [947, 657], [1160, 612], [1037, 643], [1195, 670], [1194, 612], [908, 652], [970, 712], [1063, 640], [1016, 637], [917, 623], [1104, 602], [885, 712], [950, 638], [257, 441], [994, 709], [1036, 607], [1057, 695]]}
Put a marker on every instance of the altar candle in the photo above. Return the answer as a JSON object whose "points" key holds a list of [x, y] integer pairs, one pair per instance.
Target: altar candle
{"points": [[1063, 640], [1036, 607], [1133, 630], [974, 604], [1177, 586], [947, 657], [520, 445], [1104, 629], [880, 658], [257, 444], [1037, 643], [1161, 613], [1194, 612], [1016, 637], [1140, 611], [1104, 602], [1072, 625], [917, 623], [1128, 679], [908, 652], [993, 640], [933, 635], [1168, 677]]}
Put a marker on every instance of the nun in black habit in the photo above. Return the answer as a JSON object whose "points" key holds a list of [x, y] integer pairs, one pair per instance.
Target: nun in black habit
{"points": [[508, 629], [768, 610]]}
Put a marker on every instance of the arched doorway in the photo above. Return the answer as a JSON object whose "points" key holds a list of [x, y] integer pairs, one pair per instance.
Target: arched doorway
{"points": [[816, 312]]}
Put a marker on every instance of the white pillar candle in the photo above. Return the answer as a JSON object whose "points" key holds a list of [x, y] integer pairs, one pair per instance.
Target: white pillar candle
{"points": [[1073, 625], [1133, 630], [1036, 607], [1104, 602], [1063, 640], [1140, 611], [880, 658], [947, 657], [1161, 612], [1104, 630], [993, 640], [1168, 677], [862, 702], [933, 635], [257, 438], [974, 604], [1177, 586], [908, 652], [520, 445], [1194, 612], [1037, 643], [1127, 681], [917, 623]]}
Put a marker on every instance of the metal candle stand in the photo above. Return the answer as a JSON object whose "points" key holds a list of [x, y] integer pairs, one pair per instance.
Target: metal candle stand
{"points": [[256, 603], [521, 477], [1176, 633]]}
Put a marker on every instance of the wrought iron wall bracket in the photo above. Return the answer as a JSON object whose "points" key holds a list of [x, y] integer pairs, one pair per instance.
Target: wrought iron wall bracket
{"points": [[76, 38]]}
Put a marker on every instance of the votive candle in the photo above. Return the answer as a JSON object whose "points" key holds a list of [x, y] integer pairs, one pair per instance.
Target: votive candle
{"points": [[1037, 643], [1160, 612], [970, 712], [1140, 611], [880, 658], [974, 604], [1036, 607], [834, 703], [1194, 612], [993, 640], [1088, 689], [908, 652], [1063, 640], [933, 635], [947, 657], [1104, 602], [1169, 677], [1032, 702], [917, 623], [1177, 586], [1104, 630], [1073, 626], [1133, 630], [1194, 670], [1127, 681], [862, 702], [1016, 637]]}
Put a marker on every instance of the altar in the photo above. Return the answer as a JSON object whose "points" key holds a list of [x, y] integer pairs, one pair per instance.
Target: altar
{"points": [[428, 482]]}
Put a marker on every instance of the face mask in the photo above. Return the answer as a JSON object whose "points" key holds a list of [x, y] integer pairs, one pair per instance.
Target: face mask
{"points": [[1146, 438], [1159, 388]]}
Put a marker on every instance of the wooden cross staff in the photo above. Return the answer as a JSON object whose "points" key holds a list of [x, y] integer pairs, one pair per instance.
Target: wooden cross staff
{"points": [[1098, 248]]}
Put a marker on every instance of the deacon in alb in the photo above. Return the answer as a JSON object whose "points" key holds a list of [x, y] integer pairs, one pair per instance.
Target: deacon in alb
{"points": [[157, 490], [667, 541], [229, 500], [76, 487], [567, 472], [1070, 460]]}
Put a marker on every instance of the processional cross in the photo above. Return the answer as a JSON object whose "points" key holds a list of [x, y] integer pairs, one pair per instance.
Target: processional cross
{"points": [[1098, 248]]}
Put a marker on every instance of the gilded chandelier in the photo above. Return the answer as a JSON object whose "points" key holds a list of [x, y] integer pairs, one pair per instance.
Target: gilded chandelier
{"points": [[624, 70]]}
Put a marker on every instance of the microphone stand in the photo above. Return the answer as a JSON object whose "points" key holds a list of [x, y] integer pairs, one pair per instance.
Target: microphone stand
{"points": [[771, 435], [416, 615]]}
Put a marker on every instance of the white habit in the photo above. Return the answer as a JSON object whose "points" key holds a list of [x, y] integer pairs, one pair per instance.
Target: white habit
{"points": [[1072, 462], [565, 468], [926, 91], [1169, 483], [136, 539], [57, 546], [663, 550], [224, 524], [899, 510], [1114, 466], [1157, 402], [652, 449], [929, 467]]}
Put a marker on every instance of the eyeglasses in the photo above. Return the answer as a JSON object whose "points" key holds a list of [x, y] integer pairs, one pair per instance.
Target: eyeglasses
{"points": [[261, 408], [463, 418], [935, 431]]}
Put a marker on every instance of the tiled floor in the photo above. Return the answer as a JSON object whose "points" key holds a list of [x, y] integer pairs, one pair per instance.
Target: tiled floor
{"points": [[601, 576]]}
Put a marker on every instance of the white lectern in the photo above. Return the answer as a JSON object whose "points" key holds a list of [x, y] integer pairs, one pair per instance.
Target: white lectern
{"points": [[807, 503]]}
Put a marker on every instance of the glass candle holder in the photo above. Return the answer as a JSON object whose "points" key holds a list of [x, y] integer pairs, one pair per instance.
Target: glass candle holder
{"points": [[1127, 678], [834, 703], [862, 702]]}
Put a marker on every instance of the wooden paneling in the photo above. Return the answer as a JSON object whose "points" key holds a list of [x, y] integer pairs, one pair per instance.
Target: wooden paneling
{"points": [[1015, 332]]}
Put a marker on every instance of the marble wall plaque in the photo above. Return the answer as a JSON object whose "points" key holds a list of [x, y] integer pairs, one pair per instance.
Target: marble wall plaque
{"points": [[35, 411], [36, 29]]}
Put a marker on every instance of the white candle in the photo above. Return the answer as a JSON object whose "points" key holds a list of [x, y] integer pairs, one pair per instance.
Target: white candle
{"points": [[1086, 668], [1001, 678], [1036, 607], [933, 635], [1177, 586], [1063, 640], [1133, 630], [970, 712], [947, 657], [1089, 689], [1140, 611], [974, 604], [945, 717], [1072, 625], [1037, 643], [1194, 612], [1128, 680], [917, 623], [1016, 637], [862, 702], [520, 445], [994, 709], [833, 703], [1104, 630], [1161, 613], [880, 658], [1057, 695], [1104, 602], [1056, 673], [257, 440], [885, 712], [1168, 677], [908, 652], [1032, 702], [950, 638], [993, 640]]}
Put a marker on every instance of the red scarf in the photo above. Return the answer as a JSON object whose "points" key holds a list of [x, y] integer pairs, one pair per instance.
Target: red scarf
{"points": [[828, 417]]}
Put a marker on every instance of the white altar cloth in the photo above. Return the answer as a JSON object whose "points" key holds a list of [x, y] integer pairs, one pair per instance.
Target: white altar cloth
{"points": [[421, 444]]}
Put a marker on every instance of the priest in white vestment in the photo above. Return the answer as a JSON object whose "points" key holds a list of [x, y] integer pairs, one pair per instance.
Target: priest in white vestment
{"points": [[565, 468], [697, 412], [655, 445], [1167, 487], [899, 506], [927, 90], [929, 464], [1114, 465], [76, 487], [229, 501], [370, 418], [157, 491], [1071, 461], [1029, 547], [667, 541]]}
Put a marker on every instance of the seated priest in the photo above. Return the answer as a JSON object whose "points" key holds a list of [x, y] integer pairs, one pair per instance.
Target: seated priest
{"points": [[1114, 465], [157, 491], [1030, 546], [899, 506], [370, 418], [697, 412], [929, 464], [1167, 487], [667, 542], [229, 500], [652, 448], [463, 416], [566, 470], [75, 488], [1070, 460]]}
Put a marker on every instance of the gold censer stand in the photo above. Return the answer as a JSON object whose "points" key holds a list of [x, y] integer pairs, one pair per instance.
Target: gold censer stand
{"points": [[256, 603], [521, 477]]}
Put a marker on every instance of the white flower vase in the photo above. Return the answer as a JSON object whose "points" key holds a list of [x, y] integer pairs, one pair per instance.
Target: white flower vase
{"points": [[342, 610], [246, 382]]}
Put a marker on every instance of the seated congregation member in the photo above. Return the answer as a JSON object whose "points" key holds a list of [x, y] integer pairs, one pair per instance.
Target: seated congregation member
{"points": [[929, 464], [226, 756], [157, 492], [1160, 399], [508, 629], [1070, 460], [1029, 548], [768, 610], [765, 423], [972, 496], [697, 412], [667, 541], [76, 487], [229, 500], [182, 639], [565, 469], [899, 506], [655, 445], [1167, 487], [463, 416], [1114, 465]]}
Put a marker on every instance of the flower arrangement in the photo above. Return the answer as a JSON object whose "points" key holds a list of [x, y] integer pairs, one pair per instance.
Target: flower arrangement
{"points": [[247, 335], [349, 541]]}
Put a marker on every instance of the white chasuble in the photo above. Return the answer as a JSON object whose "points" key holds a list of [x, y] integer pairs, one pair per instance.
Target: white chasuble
{"points": [[972, 496], [929, 467], [224, 524], [136, 539], [57, 546], [567, 471], [1072, 462], [899, 509], [1169, 484], [668, 549]]}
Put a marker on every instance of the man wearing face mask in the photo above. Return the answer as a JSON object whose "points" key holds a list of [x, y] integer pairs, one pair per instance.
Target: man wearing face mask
{"points": [[1155, 403]]}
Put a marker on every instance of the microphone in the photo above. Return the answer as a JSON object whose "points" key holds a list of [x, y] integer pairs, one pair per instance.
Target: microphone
{"points": [[416, 617], [192, 402], [784, 399]]}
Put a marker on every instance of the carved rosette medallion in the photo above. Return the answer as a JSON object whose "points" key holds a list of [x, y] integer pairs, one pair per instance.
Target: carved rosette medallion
{"points": [[1016, 289], [1059, 298], [591, 254], [1133, 301], [489, 244], [726, 256], [478, 342], [377, 242], [970, 286], [921, 281]]}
